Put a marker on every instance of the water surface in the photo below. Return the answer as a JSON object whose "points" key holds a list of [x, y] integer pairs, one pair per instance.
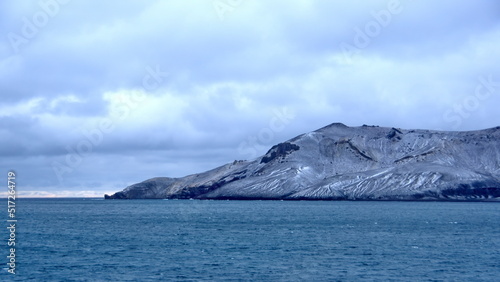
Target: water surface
{"points": [[130, 240]]}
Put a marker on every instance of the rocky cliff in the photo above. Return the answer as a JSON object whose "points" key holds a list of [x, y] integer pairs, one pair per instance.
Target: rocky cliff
{"points": [[338, 162]]}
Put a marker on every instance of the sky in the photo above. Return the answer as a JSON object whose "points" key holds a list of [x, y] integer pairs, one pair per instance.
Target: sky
{"points": [[96, 97]]}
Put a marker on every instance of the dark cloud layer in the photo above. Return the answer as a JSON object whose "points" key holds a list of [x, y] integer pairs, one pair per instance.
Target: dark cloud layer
{"points": [[98, 96]]}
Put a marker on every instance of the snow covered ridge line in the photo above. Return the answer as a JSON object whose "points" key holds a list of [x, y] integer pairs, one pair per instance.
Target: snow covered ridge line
{"points": [[338, 162]]}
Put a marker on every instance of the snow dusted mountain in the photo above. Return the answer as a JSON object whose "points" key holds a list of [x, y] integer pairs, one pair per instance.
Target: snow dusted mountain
{"points": [[338, 162]]}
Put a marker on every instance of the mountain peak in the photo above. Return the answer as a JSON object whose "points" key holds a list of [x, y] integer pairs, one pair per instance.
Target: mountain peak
{"points": [[334, 125]]}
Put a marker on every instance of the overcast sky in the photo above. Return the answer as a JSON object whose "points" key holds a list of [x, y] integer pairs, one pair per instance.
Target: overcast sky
{"points": [[97, 97]]}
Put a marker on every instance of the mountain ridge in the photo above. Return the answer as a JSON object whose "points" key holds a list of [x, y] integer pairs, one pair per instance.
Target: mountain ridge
{"points": [[338, 162]]}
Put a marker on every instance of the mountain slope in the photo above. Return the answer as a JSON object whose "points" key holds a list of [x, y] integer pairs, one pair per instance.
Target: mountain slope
{"points": [[338, 162]]}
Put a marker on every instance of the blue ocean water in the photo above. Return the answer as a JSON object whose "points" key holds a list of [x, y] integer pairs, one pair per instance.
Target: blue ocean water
{"points": [[183, 240]]}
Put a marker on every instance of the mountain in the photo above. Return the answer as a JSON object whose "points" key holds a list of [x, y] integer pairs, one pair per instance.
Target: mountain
{"points": [[338, 162]]}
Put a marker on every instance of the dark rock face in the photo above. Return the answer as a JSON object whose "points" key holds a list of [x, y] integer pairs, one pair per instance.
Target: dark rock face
{"points": [[338, 162], [394, 134], [472, 191], [279, 151]]}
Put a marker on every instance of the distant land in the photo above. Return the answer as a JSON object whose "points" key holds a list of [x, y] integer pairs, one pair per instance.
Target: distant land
{"points": [[338, 162]]}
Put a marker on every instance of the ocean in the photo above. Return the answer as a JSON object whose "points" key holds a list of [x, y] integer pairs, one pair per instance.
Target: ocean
{"points": [[191, 240]]}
